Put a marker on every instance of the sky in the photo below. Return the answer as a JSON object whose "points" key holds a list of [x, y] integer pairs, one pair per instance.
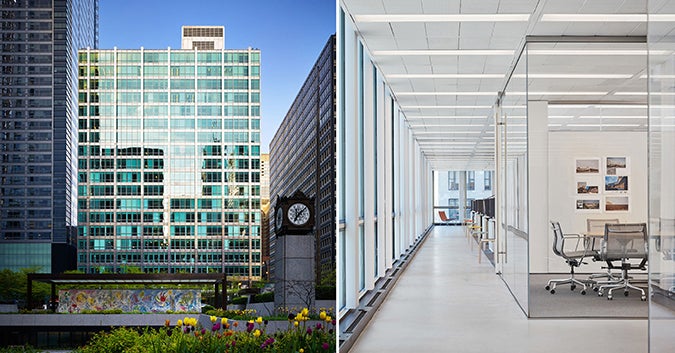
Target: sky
{"points": [[289, 33]]}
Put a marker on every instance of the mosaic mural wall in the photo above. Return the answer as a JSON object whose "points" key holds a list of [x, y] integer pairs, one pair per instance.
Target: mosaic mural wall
{"points": [[129, 300]]}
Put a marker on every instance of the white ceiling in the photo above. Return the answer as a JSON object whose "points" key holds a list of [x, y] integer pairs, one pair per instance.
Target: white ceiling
{"points": [[446, 61]]}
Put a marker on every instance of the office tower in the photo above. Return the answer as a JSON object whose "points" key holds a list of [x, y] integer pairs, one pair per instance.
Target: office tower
{"points": [[265, 208], [302, 155], [38, 141], [169, 167]]}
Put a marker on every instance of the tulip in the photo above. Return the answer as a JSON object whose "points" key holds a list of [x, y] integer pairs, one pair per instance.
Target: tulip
{"points": [[295, 323], [256, 333], [259, 320], [213, 318], [179, 323], [223, 321], [301, 350], [325, 346]]}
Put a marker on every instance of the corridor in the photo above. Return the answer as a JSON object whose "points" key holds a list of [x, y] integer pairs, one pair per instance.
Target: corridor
{"points": [[446, 302]]}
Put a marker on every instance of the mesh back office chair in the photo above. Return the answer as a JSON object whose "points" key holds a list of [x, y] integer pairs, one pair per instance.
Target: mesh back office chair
{"points": [[597, 226], [573, 258], [624, 241]]}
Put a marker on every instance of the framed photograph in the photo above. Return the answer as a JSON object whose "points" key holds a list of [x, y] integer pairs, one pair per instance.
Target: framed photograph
{"points": [[590, 204], [616, 203], [588, 166], [616, 183], [583, 187], [617, 166]]}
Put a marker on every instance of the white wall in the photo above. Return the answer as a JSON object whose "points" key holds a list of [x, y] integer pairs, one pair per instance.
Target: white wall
{"points": [[563, 149]]}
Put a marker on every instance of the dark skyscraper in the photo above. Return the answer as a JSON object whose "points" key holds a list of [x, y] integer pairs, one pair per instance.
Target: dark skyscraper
{"points": [[38, 132], [302, 155]]}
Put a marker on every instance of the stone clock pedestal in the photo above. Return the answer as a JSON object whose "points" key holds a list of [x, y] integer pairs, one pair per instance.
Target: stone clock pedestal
{"points": [[294, 272]]}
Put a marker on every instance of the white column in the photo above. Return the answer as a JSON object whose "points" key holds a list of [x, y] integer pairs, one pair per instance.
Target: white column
{"points": [[388, 193], [368, 173], [351, 168], [380, 173], [537, 177]]}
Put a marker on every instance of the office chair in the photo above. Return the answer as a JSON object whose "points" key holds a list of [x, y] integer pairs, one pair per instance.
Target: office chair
{"points": [[573, 258], [624, 241], [597, 226]]}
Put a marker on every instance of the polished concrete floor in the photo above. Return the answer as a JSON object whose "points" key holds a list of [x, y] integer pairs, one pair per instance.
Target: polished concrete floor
{"points": [[447, 302]]}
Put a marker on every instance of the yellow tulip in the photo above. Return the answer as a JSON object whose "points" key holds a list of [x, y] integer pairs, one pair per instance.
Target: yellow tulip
{"points": [[179, 323], [305, 312], [322, 315], [259, 320], [295, 323], [186, 320], [223, 321], [213, 318], [329, 319], [250, 321], [256, 333], [301, 350]]}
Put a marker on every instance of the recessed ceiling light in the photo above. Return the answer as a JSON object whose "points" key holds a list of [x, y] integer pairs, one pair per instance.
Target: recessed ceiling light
{"points": [[559, 17], [443, 18], [435, 52]]}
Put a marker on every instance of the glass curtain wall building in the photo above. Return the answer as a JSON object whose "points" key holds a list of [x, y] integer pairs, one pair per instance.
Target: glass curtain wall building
{"points": [[169, 161], [302, 155], [38, 117]]}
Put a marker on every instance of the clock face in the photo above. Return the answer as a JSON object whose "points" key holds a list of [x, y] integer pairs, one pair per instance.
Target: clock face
{"points": [[298, 214], [280, 217]]}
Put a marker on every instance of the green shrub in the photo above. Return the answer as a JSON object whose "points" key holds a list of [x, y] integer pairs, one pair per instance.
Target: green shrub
{"points": [[224, 336], [263, 298], [325, 292], [239, 300], [207, 308]]}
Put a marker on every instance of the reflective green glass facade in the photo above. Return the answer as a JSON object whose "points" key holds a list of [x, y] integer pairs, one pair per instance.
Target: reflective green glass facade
{"points": [[169, 161]]}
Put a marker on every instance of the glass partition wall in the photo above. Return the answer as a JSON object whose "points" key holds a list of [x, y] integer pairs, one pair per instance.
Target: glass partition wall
{"points": [[572, 145], [511, 142], [661, 171]]}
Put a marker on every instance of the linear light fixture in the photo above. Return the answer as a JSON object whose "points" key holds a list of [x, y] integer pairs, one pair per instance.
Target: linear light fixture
{"points": [[644, 93], [404, 107], [598, 105], [574, 76], [446, 93], [463, 17], [601, 17], [613, 117], [447, 132], [440, 52], [450, 76], [419, 117], [449, 126], [604, 125], [658, 76], [562, 93]]}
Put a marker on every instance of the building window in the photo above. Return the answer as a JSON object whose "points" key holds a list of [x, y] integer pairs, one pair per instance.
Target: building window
{"points": [[452, 181], [471, 180], [487, 180]]}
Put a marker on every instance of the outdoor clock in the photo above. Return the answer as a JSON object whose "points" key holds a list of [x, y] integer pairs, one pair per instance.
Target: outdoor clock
{"points": [[298, 214], [280, 217]]}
